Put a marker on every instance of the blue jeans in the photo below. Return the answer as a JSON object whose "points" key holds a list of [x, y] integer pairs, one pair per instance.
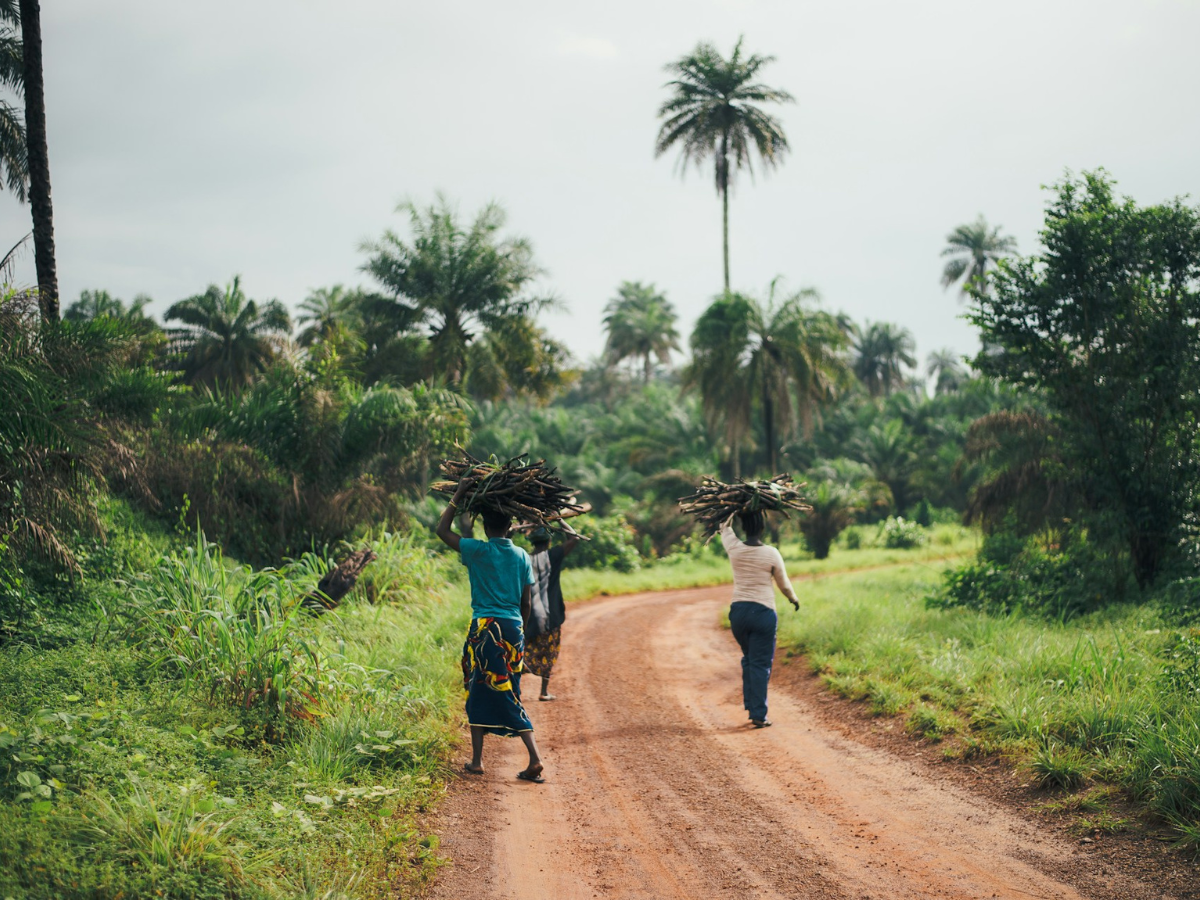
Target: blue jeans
{"points": [[753, 627]]}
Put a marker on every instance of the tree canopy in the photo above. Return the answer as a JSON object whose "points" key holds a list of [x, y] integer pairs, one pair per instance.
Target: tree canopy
{"points": [[974, 249], [641, 324], [714, 113], [781, 359], [459, 282], [225, 337], [1104, 326]]}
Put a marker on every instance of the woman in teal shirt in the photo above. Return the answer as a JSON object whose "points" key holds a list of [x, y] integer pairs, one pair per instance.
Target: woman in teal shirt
{"points": [[501, 576]]}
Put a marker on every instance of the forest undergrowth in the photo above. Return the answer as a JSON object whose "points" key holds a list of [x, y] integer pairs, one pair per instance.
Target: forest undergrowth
{"points": [[215, 739]]}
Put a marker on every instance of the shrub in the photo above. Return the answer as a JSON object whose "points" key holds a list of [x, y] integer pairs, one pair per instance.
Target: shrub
{"points": [[610, 545], [899, 534], [1059, 580], [854, 538]]}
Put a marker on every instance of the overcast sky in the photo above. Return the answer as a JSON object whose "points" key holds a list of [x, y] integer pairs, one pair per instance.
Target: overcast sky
{"points": [[190, 142]]}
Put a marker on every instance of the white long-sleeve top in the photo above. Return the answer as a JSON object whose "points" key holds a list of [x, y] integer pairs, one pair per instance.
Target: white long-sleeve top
{"points": [[756, 570]]}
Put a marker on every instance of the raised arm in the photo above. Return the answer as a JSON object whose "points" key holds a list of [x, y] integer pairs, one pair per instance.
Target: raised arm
{"points": [[729, 538], [444, 529]]}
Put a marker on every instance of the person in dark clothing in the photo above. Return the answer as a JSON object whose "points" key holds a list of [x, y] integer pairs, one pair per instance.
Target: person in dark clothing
{"points": [[543, 634]]}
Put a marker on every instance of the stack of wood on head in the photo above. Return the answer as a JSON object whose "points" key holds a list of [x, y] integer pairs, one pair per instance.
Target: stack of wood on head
{"points": [[526, 491], [714, 501]]}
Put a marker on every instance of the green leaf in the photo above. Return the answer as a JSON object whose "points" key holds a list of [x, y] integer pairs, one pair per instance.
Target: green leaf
{"points": [[41, 806], [29, 779], [72, 698]]}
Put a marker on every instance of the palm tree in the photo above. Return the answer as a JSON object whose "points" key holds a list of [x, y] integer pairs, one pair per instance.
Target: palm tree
{"points": [[835, 506], [881, 351], [29, 14], [972, 249], [458, 282], [226, 338], [640, 323], [14, 151], [946, 368], [102, 305], [327, 311], [781, 358], [889, 450], [712, 113]]}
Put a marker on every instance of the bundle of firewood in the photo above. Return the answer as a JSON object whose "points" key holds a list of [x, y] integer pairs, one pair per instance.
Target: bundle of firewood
{"points": [[526, 491], [714, 501]]}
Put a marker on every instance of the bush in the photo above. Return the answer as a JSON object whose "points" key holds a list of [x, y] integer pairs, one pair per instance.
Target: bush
{"points": [[899, 534], [1059, 580], [610, 545]]}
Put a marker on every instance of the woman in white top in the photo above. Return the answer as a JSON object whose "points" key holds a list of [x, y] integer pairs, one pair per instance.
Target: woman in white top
{"points": [[757, 569]]}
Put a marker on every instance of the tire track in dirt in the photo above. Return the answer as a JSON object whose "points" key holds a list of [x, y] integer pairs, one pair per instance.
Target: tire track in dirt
{"points": [[657, 789]]}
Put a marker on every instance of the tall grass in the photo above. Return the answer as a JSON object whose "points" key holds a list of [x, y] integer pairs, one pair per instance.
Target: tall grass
{"points": [[158, 783], [238, 633], [1094, 699]]}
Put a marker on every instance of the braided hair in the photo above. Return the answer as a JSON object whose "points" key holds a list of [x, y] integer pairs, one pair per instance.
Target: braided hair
{"points": [[753, 523]]}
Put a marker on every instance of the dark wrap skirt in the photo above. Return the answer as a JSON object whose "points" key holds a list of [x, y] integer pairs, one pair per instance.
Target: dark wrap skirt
{"points": [[492, 665]]}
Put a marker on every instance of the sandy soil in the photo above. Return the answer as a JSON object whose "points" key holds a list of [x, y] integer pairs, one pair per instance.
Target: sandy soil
{"points": [[657, 788]]}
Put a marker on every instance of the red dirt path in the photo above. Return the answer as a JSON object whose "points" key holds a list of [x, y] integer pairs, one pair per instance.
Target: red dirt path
{"points": [[657, 789]]}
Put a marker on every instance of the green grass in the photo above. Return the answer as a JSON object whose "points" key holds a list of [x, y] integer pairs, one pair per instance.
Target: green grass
{"points": [[167, 759], [710, 566], [1098, 700]]}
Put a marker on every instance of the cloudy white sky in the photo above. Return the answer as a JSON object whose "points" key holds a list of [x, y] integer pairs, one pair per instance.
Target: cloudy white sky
{"points": [[189, 142]]}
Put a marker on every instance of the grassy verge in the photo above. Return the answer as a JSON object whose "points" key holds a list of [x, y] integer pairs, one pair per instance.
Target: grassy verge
{"points": [[1105, 700], [709, 566], [217, 741]]}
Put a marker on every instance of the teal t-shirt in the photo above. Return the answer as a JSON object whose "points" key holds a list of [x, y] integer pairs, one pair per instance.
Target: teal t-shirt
{"points": [[499, 571]]}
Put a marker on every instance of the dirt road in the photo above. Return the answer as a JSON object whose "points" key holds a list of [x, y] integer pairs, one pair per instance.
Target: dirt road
{"points": [[657, 789]]}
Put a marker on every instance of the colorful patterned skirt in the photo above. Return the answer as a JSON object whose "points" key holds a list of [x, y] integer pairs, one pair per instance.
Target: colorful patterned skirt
{"points": [[542, 653], [491, 665]]}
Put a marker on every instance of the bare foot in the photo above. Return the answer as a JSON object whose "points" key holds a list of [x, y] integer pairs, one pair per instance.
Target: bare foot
{"points": [[472, 769], [533, 772]]}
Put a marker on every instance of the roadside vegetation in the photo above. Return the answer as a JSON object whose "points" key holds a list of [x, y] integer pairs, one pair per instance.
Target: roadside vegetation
{"points": [[194, 731], [1104, 701], [175, 722]]}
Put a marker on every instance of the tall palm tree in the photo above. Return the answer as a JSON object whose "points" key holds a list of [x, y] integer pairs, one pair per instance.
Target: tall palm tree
{"points": [[458, 282], [29, 14], [640, 323], [713, 113], [972, 249], [326, 311], [782, 359], [226, 338], [14, 150], [946, 368], [881, 351]]}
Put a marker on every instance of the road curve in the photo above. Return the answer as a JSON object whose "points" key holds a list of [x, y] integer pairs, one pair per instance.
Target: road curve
{"points": [[657, 789]]}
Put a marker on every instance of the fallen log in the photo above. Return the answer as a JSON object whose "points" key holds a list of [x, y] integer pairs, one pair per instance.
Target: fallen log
{"points": [[338, 582]]}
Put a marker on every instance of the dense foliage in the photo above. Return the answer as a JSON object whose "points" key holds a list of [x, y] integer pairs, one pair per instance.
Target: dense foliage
{"points": [[1102, 330]]}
